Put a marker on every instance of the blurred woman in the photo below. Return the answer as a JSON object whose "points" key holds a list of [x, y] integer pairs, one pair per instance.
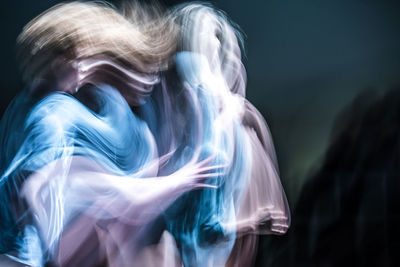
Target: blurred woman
{"points": [[126, 112]]}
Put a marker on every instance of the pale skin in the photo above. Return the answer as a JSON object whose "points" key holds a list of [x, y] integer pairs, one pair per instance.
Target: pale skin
{"points": [[130, 200], [130, 196]]}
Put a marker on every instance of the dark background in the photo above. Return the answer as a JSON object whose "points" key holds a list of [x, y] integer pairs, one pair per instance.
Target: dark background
{"points": [[324, 74]]}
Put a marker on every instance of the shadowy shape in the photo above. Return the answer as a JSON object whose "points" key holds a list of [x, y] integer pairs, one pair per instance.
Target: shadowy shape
{"points": [[349, 210]]}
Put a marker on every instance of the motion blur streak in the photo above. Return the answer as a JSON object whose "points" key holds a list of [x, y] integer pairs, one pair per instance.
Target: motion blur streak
{"points": [[133, 143]]}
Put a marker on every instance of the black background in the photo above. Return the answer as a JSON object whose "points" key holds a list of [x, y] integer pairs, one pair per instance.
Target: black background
{"points": [[324, 75]]}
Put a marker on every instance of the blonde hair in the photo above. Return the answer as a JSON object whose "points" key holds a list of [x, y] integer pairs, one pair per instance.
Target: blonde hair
{"points": [[82, 30]]}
